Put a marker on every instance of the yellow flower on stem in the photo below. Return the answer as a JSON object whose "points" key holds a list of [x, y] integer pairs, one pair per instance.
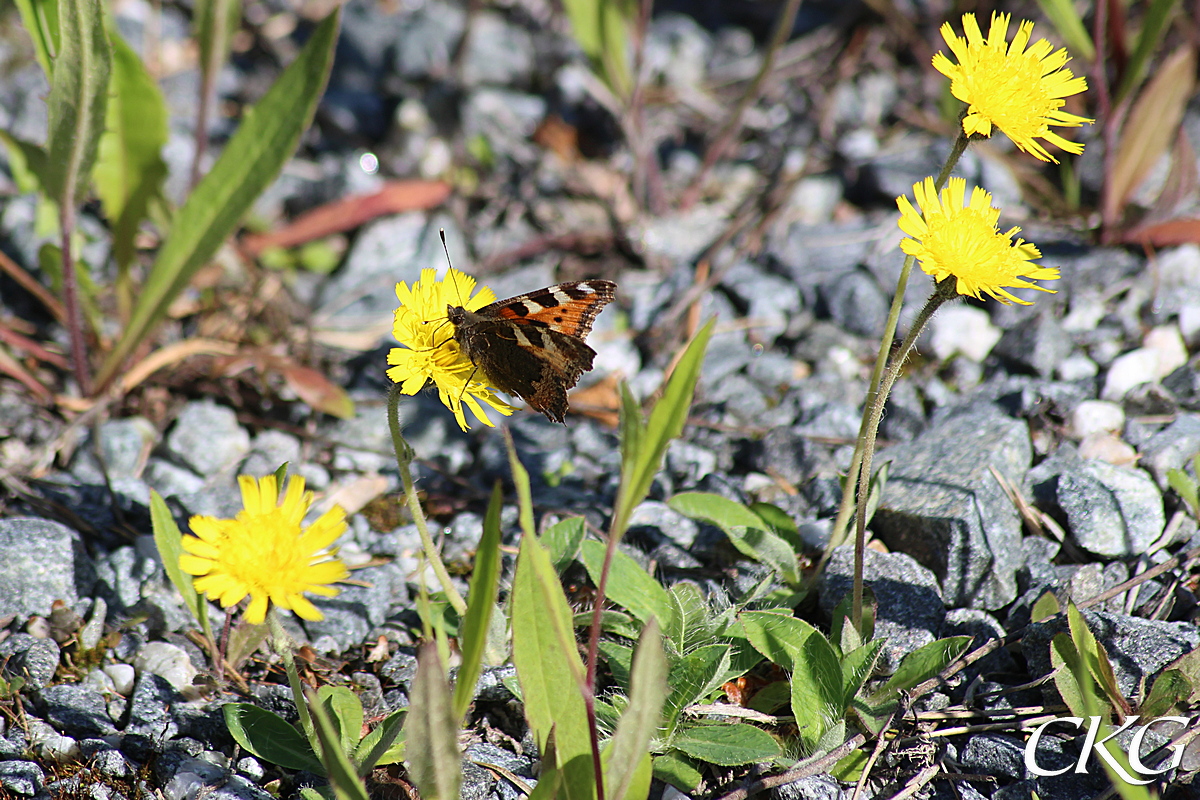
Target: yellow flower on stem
{"points": [[1018, 90], [951, 239], [430, 352], [266, 551]]}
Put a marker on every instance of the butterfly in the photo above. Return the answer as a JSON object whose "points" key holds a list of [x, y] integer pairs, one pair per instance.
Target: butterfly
{"points": [[532, 345]]}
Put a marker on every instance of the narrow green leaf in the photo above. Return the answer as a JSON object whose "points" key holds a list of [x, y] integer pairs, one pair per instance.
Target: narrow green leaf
{"points": [[432, 755], [817, 690], [385, 744], [77, 100], [628, 584], [473, 633], [520, 478], [630, 745], [926, 662], [690, 623], [545, 668], [169, 543], [614, 622], [549, 776], [1071, 678], [729, 745], [269, 737], [252, 159], [847, 636], [345, 713], [129, 167], [562, 541], [341, 773], [665, 423], [1095, 657], [1187, 489], [214, 23], [40, 18], [620, 662], [1154, 24], [1070, 27], [857, 668], [1045, 607]]}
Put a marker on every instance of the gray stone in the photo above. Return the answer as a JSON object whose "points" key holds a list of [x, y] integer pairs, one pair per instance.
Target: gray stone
{"points": [[910, 607], [942, 505], [982, 627], [814, 787], [168, 662], [43, 561], [170, 480], [36, 663], [497, 53], [994, 754], [357, 609], [1137, 648], [1109, 510], [1184, 386], [665, 521], [427, 40], [185, 777], [856, 302], [1036, 344], [772, 302], [269, 450], [207, 438], [76, 709], [150, 708], [506, 118], [1174, 447], [22, 777]]}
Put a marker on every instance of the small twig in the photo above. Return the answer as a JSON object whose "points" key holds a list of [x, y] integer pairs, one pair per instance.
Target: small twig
{"points": [[880, 743], [31, 285], [918, 781]]}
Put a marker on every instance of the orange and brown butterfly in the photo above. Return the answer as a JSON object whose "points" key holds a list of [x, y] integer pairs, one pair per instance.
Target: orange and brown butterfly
{"points": [[531, 345]]}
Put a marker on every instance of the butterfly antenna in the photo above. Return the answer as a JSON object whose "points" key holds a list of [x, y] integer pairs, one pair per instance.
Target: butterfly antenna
{"points": [[450, 266]]}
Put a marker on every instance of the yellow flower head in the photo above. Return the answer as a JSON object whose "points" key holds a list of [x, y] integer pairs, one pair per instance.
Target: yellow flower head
{"points": [[963, 241], [1018, 90], [266, 551], [430, 352]]}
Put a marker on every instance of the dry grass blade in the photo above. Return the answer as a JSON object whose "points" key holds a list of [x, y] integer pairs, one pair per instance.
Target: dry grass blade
{"points": [[1150, 129], [171, 354]]}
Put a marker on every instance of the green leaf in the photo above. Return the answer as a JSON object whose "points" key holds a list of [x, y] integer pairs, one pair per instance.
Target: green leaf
{"points": [[1070, 27], [432, 755], [779, 637], [214, 23], [520, 478], [252, 159], [1154, 24], [925, 662], [1071, 678], [269, 737], [169, 543], [562, 541], [690, 624], [748, 532], [473, 633], [693, 678], [628, 584], [727, 745], [40, 18], [385, 744], [1045, 607], [614, 622], [643, 446], [345, 713], [129, 168], [1170, 689], [678, 770], [629, 749], [547, 660], [847, 637], [817, 692], [1094, 657], [341, 773], [26, 162], [780, 523], [77, 100], [1177, 479], [620, 661], [851, 766], [549, 775], [857, 667]]}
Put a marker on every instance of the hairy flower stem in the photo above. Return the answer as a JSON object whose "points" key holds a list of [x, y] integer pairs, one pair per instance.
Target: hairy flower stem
{"points": [[281, 643], [404, 457], [946, 290], [857, 476]]}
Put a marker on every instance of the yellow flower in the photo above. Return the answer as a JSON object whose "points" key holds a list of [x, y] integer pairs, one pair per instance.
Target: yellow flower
{"points": [[950, 239], [266, 551], [430, 352], [1018, 90]]}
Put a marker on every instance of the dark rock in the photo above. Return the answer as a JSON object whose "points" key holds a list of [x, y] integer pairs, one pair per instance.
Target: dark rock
{"points": [[76, 709], [1184, 386], [1138, 648], [943, 506], [911, 610], [814, 787], [357, 609], [1108, 510], [856, 302], [400, 669], [1037, 344], [1174, 447], [150, 708], [35, 660], [982, 627], [994, 754], [477, 782], [652, 519]]}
